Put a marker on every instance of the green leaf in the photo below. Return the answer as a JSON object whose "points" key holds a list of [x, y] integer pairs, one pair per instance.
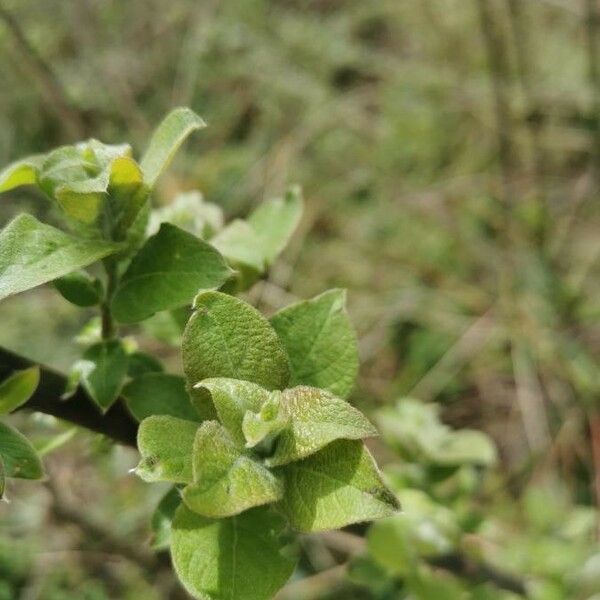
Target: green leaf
{"points": [[167, 138], [167, 273], [316, 418], [274, 222], [320, 342], [227, 337], [79, 288], [245, 557], [338, 486], [240, 244], [415, 429], [162, 518], [159, 394], [263, 426], [166, 446], [127, 193], [22, 172], [102, 371], [32, 253], [226, 482], [18, 388], [232, 398], [140, 363], [19, 456]]}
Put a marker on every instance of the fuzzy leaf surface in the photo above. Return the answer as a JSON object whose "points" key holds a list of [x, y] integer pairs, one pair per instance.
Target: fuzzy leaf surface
{"points": [[226, 337], [338, 486], [166, 447], [32, 253], [232, 398], [226, 482], [316, 418], [245, 557], [320, 342]]}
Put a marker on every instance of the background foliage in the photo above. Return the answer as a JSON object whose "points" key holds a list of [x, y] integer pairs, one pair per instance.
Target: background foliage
{"points": [[449, 153]]}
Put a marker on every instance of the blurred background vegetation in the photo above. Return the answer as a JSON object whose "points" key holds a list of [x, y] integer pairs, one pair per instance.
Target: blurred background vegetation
{"points": [[449, 152]]}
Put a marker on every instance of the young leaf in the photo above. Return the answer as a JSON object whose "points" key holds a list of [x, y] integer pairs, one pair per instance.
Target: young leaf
{"points": [[245, 557], [162, 518], [22, 172], [232, 398], [32, 253], [316, 418], [127, 193], [159, 394], [263, 426], [337, 486], [167, 138], [320, 342], [167, 273], [79, 288], [226, 482], [19, 456], [166, 446], [18, 388], [227, 337], [102, 371], [240, 244], [275, 221]]}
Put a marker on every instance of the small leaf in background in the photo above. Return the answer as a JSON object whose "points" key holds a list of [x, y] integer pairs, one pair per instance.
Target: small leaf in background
{"points": [[32, 253], [18, 388], [167, 273], [165, 141], [246, 556], [415, 429], [102, 371], [190, 212], [240, 244], [162, 518], [166, 447], [274, 222], [320, 342], [22, 172], [316, 418], [19, 456], [226, 337], [159, 394], [140, 363], [79, 288], [232, 398], [226, 482], [338, 486]]}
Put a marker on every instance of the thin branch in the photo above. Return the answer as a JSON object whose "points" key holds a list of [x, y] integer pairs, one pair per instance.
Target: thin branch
{"points": [[498, 65], [592, 29], [47, 79], [116, 423]]}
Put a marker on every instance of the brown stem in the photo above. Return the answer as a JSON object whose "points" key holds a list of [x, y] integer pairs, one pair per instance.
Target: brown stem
{"points": [[594, 423], [116, 423]]}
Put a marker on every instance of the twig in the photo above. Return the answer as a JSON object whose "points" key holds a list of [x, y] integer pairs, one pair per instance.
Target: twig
{"points": [[498, 64], [49, 82], [594, 423], [116, 423], [592, 26]]}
